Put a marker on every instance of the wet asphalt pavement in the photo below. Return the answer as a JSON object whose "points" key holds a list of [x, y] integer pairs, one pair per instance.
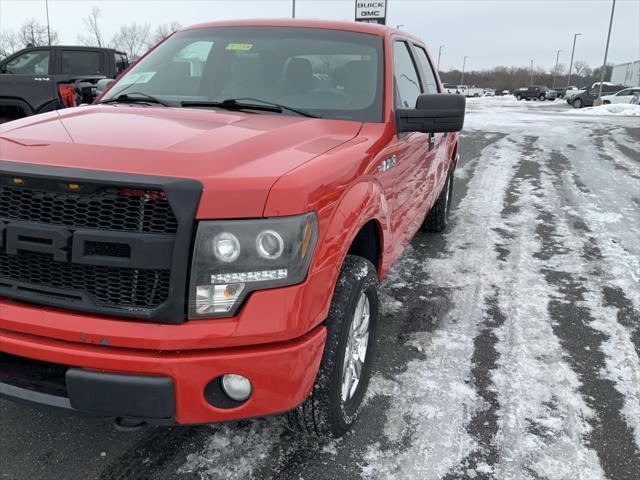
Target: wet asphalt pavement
{"points": [[508, 347]]}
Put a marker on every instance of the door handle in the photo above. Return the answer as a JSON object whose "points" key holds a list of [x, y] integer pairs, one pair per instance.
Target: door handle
{"points": [[432, 141]]}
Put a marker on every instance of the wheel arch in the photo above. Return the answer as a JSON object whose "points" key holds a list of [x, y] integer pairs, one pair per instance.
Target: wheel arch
{"points": [[368, 243]]}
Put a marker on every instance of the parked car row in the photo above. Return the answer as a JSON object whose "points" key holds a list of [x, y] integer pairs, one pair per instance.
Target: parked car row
{"points": [[535, 92], [586, 97], [465, 90], [628, 95], [473, 91]]}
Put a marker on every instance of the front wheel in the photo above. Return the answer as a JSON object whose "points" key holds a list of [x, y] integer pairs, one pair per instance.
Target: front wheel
{"points": [[345, 369], [518, 97], [577, 103], [542, 98]]}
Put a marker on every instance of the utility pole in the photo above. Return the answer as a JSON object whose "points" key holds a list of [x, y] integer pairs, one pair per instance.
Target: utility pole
{"points": [[46, 4], [606, 49], [531, 82], [464, 62], [293, 8], [555, 70], [573, 50], [439, 55]]}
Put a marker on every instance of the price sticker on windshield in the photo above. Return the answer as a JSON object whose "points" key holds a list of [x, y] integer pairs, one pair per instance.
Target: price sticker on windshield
{"points": [[242, 47]]}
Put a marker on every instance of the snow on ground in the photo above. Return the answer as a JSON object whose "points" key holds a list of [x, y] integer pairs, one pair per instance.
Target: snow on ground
{"points": [[623, 109], [546, 419]]}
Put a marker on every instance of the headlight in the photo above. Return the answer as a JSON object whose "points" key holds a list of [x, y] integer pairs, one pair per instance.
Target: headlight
{"points": [[232, 258]]}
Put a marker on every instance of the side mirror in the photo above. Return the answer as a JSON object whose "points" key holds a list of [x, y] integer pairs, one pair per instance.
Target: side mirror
{"points": [[434, 113], [103, 84]]}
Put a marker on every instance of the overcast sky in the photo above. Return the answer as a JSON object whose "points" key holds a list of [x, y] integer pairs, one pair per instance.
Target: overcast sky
{"points": [[490, 33]]}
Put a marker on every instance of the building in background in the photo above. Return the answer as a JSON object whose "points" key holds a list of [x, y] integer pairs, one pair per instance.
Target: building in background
{"points": [[626, 74]]}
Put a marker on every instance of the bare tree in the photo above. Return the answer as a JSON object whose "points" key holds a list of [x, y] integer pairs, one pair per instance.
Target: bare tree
{"points": [[9, 43], [133, 39], [34, 33], [562, 69], [92, 25], [162, 31], [581, 68]]}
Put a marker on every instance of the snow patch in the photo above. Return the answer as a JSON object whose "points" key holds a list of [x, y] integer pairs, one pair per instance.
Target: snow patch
{"points": [[618, 109]]}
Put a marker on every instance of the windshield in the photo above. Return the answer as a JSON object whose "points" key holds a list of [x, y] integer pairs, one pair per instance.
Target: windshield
{"points": [[329, 73]]}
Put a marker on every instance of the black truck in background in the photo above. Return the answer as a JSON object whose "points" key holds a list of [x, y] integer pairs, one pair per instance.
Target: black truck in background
{"points": [[41, 79]]}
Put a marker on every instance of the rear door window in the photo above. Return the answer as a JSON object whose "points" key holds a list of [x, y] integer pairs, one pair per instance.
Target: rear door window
{"points": [[428, 76], [82, 62]]}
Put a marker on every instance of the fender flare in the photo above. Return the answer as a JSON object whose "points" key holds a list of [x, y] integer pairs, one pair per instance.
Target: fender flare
{"points": [[361, 203]]}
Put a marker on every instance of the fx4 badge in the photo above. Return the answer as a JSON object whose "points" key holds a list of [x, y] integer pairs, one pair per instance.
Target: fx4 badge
{"points": [[387, 164]]}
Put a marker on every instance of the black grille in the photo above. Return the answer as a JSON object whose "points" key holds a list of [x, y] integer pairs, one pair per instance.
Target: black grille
{"points": [[108, 208], [112, 287], [105, 243]]}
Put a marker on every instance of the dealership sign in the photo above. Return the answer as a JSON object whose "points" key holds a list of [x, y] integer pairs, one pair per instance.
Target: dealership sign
{"points": [[371, 11]]}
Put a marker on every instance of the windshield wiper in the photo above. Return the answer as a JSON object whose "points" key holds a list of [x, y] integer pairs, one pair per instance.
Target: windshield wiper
{"points": [[241, 104], [142, 98]]}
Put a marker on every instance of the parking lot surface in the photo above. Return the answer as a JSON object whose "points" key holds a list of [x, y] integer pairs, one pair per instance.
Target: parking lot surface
{"points": [[509, 347]]}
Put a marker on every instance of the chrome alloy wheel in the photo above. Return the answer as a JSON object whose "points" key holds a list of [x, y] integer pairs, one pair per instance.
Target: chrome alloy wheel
{"points": [[356, 348]]}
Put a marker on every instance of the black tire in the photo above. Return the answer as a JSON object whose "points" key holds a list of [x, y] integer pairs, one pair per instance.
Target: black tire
{"points": [[577, 103], [324, 413], [518, 97], [542, 98], [438, 217], [606, 102]]}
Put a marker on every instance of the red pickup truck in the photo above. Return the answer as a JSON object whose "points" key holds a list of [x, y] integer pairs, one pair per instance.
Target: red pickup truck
{"points": [[205, 242]]}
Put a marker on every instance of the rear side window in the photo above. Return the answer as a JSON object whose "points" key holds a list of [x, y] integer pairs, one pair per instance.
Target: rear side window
{"points": [[429, 78], [82, 62], [29, 63], [406, 77], [122, 62]]}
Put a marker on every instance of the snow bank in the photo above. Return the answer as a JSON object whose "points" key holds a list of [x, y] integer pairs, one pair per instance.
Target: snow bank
{"points": [[621, 109]]}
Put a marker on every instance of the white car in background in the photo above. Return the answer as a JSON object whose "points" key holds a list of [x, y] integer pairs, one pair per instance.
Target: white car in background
{"points": [[623, 96]]}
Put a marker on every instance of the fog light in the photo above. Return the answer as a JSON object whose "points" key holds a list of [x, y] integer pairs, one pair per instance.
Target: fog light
{"points": [[237, 387]]}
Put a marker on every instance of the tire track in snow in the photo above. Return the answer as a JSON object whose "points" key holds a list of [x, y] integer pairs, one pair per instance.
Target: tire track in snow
{"points": [[536, 390], [587, 331], [542, 420], [433, 400]]}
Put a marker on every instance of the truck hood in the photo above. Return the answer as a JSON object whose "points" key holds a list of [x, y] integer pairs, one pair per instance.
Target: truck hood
{"points": [[236, 156]]}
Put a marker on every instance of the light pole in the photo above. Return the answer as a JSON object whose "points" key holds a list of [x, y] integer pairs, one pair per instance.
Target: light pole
{"points": [[293, 8], [573, 50], [46, 4], [464, 62], [606, 50], [439, 55], [555, 70], [531, 82]]}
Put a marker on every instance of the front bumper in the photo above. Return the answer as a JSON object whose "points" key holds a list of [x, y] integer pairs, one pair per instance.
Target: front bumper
{"points": [[159, 387]]}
